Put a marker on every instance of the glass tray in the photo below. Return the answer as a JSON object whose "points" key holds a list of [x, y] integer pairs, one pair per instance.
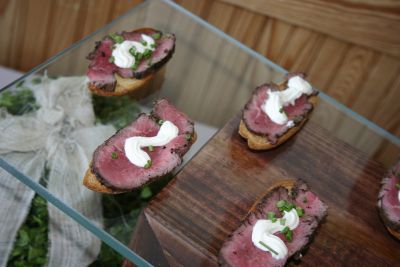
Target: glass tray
{"points": [[210, 77]]}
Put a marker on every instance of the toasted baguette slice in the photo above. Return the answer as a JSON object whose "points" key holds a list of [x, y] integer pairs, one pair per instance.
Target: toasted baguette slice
{"points": [[90, 180], [259, 142], [123, 86]]}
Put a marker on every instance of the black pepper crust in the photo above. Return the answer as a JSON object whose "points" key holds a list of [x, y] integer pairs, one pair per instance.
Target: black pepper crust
{"points": [[298, 187], [274, 87], [104, 182]]}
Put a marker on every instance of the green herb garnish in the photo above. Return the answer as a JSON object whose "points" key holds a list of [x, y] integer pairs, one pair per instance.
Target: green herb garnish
{"points": [[151, 148], [156, 35], [147, 53], [288, 233], [160, 122], [116, 38], [148, 164], [145, 193], [281, 110], [153, 45], [284, 205], [188, 137], [398, 186], [143, 42], [114, 155], [36, 80], [111, 59], [299, 211], [132, 51], [271, 216], [282, 221], [268, 247]]}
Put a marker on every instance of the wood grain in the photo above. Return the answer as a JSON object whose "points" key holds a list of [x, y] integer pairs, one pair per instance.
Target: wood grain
{"points": [[370, 24], [195, 213], [347, 61]]}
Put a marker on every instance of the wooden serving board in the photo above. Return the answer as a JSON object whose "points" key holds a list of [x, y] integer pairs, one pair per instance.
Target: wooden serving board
{"points": [[188, 221]]}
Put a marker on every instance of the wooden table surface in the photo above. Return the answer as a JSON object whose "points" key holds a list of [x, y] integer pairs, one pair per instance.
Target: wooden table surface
{"points": [[188, 221]]}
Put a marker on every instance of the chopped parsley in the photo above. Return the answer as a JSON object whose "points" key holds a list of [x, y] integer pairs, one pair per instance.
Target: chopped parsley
{"points": [[287, 233], [160, 122], [114, 155], [143, 42], [111, 59], [36, 80], [299, 211], [282, 221], [188, 137], [271, 216], [148, 164], [284, 205]]}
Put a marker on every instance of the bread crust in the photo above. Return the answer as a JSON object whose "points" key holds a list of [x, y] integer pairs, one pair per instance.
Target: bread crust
{"points": [[123, 86], [259, 142], [91, 182]]}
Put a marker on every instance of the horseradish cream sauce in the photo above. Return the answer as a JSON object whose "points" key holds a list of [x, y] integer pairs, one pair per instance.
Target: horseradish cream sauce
{"points": [[273, 106], [123, 58], [263, 233], [133, 145]]}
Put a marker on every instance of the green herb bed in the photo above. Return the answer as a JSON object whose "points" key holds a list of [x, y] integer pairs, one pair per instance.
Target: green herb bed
{"points": [[120, 212]]}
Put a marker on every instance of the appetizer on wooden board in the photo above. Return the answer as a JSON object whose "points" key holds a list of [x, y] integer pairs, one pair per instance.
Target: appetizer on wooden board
{"points": [[389, 201], [280, 226], [150, 147], [274, 113], [124, 62]]}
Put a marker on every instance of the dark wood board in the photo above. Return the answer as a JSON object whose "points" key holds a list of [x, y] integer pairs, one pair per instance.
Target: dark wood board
{"points": [[193, 215]]}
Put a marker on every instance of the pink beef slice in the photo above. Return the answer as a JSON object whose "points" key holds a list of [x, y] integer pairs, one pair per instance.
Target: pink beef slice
{"points": [[388, 202], [259, 123], [101, 71], [120, 173], [239, 250]]}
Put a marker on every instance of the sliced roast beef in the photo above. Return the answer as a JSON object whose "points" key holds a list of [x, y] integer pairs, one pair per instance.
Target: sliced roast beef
{"points": [[258, 122], [239, 249], [388, 199], [101, 70], [113, 169]]}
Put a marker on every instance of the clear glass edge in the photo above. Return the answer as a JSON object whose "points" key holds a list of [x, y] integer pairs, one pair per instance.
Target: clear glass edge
{"points": [[75, 215], [103, 235], [379, 130]]}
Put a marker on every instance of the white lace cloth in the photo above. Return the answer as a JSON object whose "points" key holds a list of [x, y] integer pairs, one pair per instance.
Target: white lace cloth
{"points": [[61, 136]]}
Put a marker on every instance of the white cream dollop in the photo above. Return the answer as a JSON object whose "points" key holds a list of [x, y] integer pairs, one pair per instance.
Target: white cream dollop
{"points": [[264, 231], [276, 100], [123, 58], [133, 145]]}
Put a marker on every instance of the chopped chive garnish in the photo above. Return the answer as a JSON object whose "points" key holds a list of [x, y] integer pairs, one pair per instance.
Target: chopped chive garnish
{"points": [[188, 137], [36, 80], [134, 67], [139, 57], [153, 45], [285, 230], [114, 155], [151, 148], [271, 215], [143, 42], [282, 221], [268, 247], [280, 204], [156, 35], [148, 164], [160, 122], [398, 186], [289, 235], [132, 51], [299, 211], [111, 59], [116, 38]]}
